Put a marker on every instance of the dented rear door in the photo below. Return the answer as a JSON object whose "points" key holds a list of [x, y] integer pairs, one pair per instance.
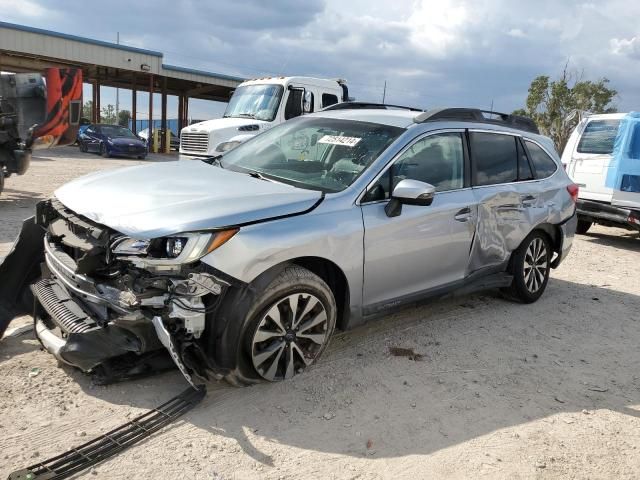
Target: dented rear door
{"points": [[504, 203]]}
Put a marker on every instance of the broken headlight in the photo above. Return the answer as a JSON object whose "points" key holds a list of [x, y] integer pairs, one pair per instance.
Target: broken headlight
{"points": [[174, 250], [173, 246]]}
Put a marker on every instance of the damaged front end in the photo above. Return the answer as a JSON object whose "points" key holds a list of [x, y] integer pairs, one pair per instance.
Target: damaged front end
{"points": [[112, 305]]}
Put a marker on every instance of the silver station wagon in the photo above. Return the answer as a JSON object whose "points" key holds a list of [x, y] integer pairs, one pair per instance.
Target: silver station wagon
{"points": [[242, 266]]}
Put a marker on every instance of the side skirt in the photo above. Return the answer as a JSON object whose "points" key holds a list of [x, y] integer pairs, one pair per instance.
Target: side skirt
{"points": [[485, 279]]}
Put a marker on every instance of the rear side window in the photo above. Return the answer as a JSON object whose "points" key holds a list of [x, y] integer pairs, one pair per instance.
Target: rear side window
{"points": [[495, 158], [542, 163], [328, 100], [598, 137]]}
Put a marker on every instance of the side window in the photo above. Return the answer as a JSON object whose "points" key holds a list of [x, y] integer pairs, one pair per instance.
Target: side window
{"points": [[293, 108], [599, 137], [328, 99], [524, 165], [436, 159], [543, 163], [495, 158]]}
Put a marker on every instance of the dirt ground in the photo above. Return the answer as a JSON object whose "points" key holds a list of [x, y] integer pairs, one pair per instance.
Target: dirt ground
{"points": [[549, 390]]}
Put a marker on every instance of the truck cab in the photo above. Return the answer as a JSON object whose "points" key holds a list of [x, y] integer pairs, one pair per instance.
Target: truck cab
{"points": [[257, 105], [602, 156]]}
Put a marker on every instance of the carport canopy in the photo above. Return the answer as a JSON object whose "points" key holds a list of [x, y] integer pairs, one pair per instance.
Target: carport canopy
{"points": [[27, 49]]}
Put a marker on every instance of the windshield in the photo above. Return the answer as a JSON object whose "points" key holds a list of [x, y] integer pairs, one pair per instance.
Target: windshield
{"points": [[115, 131], [316, 153], [255, 101]]}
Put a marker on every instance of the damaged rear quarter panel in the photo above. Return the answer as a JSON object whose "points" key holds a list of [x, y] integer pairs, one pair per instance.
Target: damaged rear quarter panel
{"points": [[504, 219]]}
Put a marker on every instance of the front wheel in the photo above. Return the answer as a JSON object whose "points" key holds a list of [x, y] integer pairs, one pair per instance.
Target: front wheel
{"points": [[82, 146], [104, 151], [287, 328], [530, 266]]}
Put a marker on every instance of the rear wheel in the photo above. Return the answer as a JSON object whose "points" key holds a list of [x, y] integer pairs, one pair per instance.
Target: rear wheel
{"points": [[287, 328], [1, 178], [583, 226], [530, 267]]}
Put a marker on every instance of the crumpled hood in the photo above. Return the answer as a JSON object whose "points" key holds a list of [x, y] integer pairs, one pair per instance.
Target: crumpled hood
{"points": [[150, 201]]}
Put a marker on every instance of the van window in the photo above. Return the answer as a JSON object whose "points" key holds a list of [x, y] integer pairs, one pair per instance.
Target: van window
{"points": [[598, 137], [328, 99], [495, 158], [543, 163]]}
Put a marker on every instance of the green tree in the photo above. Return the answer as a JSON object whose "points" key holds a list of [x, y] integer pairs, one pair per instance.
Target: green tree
{"points": [[87, 109], [556, 105], [108, 114], [123, 118]]}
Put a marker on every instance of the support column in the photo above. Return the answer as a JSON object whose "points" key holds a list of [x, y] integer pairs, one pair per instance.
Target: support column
{"points": [[97, 104], [94, 99], [181, 124], [163, 118], [186, 109], [134, 109], [151, 143]]}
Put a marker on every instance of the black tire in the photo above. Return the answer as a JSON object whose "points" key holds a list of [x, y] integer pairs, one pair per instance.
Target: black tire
{"points": [[103, 151], [1, 179], [141, 157], [529, 283], [82, 147], [583, 226], [292, 280]]}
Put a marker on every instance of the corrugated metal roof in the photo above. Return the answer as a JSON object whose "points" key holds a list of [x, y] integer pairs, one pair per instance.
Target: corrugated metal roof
{"points": [[65, 36], [110, 62]]}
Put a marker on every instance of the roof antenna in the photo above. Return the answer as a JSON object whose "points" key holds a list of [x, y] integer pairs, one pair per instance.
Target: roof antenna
{"points": [[384, 92]]}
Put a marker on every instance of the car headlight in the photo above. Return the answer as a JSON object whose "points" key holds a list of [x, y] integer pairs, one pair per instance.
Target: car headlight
{"points": [[109, 141], [173, 250], [226, 146]]}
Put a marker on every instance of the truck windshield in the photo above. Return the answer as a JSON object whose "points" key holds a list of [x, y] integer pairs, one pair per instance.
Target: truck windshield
{"points": [[325, 154], [255, 101]]}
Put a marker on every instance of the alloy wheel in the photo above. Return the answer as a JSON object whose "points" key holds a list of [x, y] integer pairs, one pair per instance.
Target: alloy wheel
{"points": [[289, 336], [535, 265]]}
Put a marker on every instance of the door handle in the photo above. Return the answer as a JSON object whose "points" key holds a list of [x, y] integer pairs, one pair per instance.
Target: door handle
{"points": [[463, 215], [528, 200]]}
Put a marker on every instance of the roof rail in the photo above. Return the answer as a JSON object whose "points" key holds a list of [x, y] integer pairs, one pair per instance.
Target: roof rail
{"points": [[368, 105], [481, 116]]}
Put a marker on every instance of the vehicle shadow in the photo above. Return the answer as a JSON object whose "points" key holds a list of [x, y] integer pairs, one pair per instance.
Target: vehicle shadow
{"points": [[620, 239], [487, 364]]}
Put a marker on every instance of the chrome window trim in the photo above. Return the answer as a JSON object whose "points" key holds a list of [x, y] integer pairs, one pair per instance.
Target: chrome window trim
{"points": [[388, 165]]}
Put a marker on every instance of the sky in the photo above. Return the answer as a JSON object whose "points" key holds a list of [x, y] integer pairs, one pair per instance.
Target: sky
{"points": [[430, 53]]}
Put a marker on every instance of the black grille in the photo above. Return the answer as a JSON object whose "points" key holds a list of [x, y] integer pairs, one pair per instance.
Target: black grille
{"points": [[62, 309]]}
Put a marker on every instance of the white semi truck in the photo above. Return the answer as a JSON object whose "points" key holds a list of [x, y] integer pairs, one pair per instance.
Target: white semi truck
{"points": [[257, 105]]}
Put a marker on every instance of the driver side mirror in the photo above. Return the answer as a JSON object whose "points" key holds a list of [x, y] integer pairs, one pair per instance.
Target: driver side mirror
{"points": [[409, 192]]}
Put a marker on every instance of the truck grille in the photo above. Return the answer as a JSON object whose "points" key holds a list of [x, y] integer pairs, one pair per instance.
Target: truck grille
{"points": [[195, 141]]}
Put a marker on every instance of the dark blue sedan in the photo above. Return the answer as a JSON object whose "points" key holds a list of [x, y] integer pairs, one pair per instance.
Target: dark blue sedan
{"points": [[112, 140]]}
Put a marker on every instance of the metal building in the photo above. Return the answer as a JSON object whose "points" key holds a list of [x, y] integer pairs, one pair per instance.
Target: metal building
{"points": [[27, 49]]}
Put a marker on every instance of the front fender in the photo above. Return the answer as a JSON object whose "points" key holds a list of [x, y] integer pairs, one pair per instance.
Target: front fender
{"points": [[18, 270]]}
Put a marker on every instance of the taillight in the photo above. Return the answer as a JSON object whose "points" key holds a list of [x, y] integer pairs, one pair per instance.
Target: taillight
{"points": [[573, 190]]}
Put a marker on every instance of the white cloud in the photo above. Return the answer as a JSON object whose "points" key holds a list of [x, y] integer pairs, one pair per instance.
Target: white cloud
{"points": [[23, 8], [437, 27], [516, 33], [627, 47]]}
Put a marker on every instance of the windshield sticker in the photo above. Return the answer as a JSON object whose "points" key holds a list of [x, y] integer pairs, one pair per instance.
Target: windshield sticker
{"points": [[339, 140]]}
